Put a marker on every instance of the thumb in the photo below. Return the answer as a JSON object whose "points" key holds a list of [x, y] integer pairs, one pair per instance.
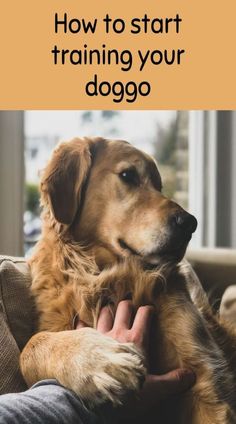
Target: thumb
{"points": [[174, 382], [158, 387]]}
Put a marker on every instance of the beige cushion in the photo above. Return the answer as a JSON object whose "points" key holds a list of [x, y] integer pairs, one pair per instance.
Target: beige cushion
{"points": [[214, 266], [16, 320], [228, 304], [216, 269]]}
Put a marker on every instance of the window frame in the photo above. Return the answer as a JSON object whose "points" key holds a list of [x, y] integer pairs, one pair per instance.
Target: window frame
{"points": [[11, 182], [212, 177]]}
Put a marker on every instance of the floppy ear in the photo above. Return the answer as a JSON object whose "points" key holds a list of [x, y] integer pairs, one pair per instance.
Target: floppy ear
{"points": [[63, 179]]}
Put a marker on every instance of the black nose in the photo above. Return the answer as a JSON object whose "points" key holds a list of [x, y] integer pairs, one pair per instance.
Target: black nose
{"points": [[185, 221]]}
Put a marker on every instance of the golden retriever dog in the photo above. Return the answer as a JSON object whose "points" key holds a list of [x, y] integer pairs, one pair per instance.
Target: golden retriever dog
{"points": [[109, 233]]}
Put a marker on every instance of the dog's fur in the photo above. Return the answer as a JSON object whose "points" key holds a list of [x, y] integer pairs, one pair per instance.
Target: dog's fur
{"points": [[107, 236]]}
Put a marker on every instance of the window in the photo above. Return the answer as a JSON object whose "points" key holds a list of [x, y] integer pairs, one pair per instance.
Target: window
{"points": [[196, 153], [212, 195]]}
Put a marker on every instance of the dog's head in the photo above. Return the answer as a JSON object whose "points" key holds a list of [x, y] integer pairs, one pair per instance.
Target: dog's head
{"points": [[108, 196]]}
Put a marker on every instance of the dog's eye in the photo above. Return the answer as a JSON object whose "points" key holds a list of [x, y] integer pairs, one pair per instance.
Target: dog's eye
{"points": [[130, 176]]}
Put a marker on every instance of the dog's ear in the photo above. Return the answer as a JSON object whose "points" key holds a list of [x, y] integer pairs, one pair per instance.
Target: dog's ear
{"points": [[63, 179]]}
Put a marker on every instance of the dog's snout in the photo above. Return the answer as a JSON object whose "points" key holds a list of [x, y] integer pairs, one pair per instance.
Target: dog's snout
{"points": [[185, 221]]}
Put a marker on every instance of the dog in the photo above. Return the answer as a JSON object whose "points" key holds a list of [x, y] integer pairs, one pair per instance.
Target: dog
{"points": [[109, 233]]}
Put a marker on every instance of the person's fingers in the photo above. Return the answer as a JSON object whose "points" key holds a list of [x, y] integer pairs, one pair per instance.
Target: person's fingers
{"points": [[124, 315], [172, 383], [105, 320], [142, 322]]}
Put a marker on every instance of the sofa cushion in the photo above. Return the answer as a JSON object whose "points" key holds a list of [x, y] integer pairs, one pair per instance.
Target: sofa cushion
{"points": [[16, 320], [11, 379], [216, 269], [228, 304]]}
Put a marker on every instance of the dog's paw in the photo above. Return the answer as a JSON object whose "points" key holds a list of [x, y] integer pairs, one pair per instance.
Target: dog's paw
{"points": [[104, 370]]}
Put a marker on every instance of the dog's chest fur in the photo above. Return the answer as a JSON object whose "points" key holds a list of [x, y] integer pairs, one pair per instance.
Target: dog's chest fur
{"points": [[181, 335]]}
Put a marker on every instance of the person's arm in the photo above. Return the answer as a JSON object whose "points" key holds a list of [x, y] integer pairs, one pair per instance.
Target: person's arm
{"points": [[46, 402]]}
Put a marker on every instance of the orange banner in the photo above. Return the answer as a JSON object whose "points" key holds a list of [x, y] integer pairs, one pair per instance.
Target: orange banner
{"points": [[70, 54]]}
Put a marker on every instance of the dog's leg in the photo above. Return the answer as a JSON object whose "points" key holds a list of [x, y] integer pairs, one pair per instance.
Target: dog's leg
{"points": [[96, 367]]}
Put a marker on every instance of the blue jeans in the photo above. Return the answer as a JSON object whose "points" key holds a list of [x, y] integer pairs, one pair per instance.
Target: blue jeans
{"points": [[45, 403]]}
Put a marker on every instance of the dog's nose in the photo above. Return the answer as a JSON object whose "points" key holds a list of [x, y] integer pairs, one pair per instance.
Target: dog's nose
{"points": [[185, 221]]}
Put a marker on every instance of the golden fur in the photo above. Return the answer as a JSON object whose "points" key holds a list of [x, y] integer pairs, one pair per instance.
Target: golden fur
{"points": [[103, 240]]}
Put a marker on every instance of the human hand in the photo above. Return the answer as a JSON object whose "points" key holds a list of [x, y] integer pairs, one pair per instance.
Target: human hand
{"points": [[126, 328]]}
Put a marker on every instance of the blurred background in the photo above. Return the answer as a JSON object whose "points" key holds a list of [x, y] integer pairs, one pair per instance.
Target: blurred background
{"points": [[195, 150]]}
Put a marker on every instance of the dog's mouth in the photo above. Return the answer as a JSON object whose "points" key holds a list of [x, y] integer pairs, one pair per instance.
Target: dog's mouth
{"points": [[164, 254], [128, 248]]}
